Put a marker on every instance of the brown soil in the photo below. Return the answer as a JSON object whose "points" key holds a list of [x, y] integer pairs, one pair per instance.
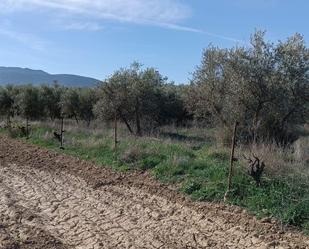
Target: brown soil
{"points": [[49, 200]]}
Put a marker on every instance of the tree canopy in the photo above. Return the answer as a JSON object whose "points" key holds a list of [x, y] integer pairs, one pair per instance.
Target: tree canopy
{"points": [[264, 87]]}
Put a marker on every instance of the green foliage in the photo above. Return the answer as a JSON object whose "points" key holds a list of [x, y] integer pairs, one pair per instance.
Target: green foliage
{"points": [[191, 186], [87, 99], [142, 99], [201, 173], [78, 103], [8, 99], [265, 87], [16, 132], [51, 96], [70, 103], [30, 102]]}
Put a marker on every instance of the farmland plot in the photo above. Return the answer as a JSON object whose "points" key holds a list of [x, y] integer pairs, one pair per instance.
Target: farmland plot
{"points": [[48, 200]]}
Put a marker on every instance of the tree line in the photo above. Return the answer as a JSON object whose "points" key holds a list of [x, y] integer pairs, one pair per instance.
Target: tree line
{"points": [[264, 87], [140, 98]]}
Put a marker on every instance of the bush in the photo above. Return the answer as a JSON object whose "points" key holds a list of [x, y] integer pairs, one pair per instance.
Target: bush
{"points": [[191, 186], [224, 136], [16, 132]]}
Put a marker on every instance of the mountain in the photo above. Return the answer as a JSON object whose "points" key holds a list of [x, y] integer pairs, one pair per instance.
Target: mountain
{"points": [[19, 76]]}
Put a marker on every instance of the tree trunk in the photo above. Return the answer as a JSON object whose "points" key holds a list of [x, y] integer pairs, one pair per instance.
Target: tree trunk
{"points": [[232, 160], [286, 117], [61, 132], [254, 127], [8, 121], [115, 133], [76, 119], [127, 124], [137, 119], [27, 128]]}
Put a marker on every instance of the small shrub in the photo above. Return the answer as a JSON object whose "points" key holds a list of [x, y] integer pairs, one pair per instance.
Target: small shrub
{"points": [[297, 214], [47, 136], [305, 227], [150, 162], [15, 132], [191, 186], [223, 136], [211, 192], [219, 155], [280, 161], [132, 155], [301, 149]]}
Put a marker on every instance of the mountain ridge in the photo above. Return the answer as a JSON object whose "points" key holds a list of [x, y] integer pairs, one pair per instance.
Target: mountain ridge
{"points": [[20, 76]]}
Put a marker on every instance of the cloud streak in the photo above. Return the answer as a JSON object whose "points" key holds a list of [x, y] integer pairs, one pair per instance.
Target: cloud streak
{"points": [[82, 26], [26, 39], [161, 13], [138, 11]]}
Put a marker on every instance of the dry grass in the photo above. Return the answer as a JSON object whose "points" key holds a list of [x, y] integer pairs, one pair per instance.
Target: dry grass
{"points": [[301, 149], [279, 161]]}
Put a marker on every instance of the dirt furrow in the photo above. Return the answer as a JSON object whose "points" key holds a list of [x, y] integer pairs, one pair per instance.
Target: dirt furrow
{"points": [[74, 204]]}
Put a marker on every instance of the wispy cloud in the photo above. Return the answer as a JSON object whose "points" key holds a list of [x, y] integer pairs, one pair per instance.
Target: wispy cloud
{"points": [[162, 13], [138, 11], [27, 39], [85, 26], [227, 38], [188, 29]]}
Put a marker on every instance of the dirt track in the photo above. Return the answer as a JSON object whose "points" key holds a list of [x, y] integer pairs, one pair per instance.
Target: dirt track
{"points": [[48, 200]]}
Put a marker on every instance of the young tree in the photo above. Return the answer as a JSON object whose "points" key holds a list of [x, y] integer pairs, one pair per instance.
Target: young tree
{"points": [[172, 105], [8, 102], [70, 103], [30, 102], [115, 99], [134, 96], [51, 96], [87, 100]]}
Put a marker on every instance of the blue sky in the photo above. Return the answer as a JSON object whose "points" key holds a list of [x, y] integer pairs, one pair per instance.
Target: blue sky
{"points": [[96, 37]]}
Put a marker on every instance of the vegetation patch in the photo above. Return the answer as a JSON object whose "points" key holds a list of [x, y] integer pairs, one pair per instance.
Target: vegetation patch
{"points": [[201, 173]]}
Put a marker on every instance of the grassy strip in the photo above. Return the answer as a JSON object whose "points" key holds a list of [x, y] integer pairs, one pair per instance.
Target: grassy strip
{"points": [[198, 170]]}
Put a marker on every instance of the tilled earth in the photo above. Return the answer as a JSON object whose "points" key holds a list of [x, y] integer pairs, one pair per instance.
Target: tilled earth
{"points": [[48, 200]]}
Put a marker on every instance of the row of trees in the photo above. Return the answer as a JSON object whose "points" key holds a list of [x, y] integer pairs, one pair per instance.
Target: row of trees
{"points": [[265, 87], [141, 98], [45, 101]]}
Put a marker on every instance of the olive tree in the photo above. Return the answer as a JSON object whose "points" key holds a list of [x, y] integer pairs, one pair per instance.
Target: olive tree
{"points": [[133, 95], [51, 96], [70, 103], [87, 100], [30, 102], [264, 87], [8, 102], [115, 98]]}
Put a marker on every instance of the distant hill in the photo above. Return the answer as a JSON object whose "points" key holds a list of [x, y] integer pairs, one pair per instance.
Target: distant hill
{"points": [[19, 76]]}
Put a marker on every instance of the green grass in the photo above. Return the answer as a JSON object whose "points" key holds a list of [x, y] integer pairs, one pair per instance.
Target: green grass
{"points": [[197, 168]]}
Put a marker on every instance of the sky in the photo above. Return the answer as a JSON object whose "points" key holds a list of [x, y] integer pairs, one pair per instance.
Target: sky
{"points": [[96, 37]]}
